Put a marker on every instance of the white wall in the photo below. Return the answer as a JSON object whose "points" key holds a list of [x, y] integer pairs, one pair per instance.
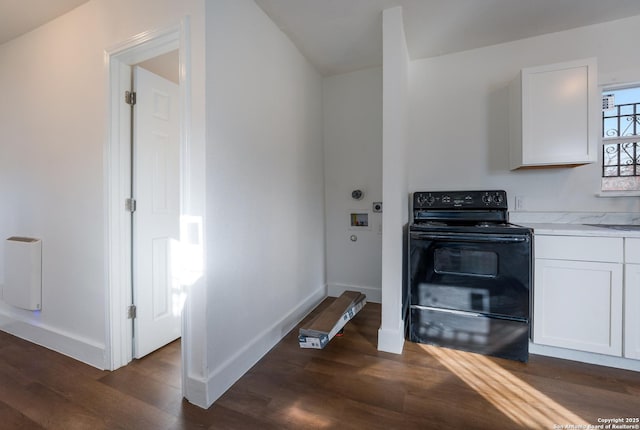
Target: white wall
{"points": [[394, 179], [352, 106], [265, 203], [265, 193], [459, 118], [53, 153], [51, 184]]}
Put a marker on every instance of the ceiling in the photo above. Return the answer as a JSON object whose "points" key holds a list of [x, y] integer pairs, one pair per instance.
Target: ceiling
{"points": [[339, 36], [21, 16]]}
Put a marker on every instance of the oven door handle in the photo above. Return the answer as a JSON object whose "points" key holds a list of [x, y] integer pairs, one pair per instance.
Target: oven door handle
{"points": [[469, 237]]}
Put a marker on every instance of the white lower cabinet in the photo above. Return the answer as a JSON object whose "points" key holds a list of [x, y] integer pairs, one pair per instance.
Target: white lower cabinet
{"points": [[578, 305], [632, 299], [632, 311], [578, 293]]}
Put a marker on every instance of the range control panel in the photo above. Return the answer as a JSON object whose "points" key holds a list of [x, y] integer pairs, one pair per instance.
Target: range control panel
{"points": [[460, 200]]}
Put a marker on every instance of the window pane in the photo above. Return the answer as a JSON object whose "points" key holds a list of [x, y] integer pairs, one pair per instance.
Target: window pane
{"points": [[629, 125], [622, 120], [620, 160], [627, 183], [610, 127], [610, 154], [626, 109], [627, 155], [611, 171], [626, 171]]}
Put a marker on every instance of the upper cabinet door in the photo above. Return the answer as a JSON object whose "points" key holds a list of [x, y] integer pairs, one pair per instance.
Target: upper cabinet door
{"points": [[554, 115]]}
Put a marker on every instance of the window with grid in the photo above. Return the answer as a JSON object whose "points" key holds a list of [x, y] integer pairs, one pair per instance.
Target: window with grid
{"points": [[621, 139]]}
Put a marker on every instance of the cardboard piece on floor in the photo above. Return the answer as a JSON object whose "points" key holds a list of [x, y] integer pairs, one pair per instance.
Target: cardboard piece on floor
{"points": [[329, 322]]}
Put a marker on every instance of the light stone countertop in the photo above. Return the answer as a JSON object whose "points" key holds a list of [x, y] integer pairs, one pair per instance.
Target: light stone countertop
{"points": [[575, 223], [560, 229]]}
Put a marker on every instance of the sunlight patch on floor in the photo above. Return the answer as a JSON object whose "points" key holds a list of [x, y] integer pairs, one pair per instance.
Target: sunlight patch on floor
{"points": [[304, 419], [516, 399]]}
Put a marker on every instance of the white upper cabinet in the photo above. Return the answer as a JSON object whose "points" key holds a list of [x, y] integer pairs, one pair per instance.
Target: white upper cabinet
{"points": [[554, 115]]}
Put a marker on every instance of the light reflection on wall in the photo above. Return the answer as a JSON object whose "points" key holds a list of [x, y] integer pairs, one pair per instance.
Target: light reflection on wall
{"points": [[573, 85], [516, 399], [187, 260]]}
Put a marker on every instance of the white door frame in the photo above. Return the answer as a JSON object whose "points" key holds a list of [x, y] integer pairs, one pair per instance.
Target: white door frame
{"points": [[118, 348]]}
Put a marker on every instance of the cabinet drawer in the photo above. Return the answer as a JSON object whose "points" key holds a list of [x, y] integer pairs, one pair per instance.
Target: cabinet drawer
{"points": [[580, 248], [632, 250]]}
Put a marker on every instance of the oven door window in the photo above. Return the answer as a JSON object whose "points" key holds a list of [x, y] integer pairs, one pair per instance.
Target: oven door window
{"points": [[465, 262]]}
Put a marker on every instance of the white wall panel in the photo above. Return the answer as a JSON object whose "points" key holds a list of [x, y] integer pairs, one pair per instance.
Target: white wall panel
{"points": [[352, 107], [265, 192], [53, 185], [459, 118]]}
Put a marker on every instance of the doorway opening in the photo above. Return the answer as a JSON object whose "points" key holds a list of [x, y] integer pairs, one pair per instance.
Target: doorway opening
{"points": [[150, 50]]}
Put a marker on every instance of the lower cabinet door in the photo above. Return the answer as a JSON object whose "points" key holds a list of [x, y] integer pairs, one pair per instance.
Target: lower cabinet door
{"points": [[632, 311], [578, 305]]}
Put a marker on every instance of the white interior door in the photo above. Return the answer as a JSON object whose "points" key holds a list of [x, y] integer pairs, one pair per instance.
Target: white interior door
{"points": [[156, 224]]}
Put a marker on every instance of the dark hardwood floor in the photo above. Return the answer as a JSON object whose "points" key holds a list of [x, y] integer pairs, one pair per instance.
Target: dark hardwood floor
{"points": [[348, 385]]}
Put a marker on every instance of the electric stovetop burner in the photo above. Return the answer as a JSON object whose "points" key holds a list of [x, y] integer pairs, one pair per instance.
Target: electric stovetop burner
{"points": [[471, 211]]}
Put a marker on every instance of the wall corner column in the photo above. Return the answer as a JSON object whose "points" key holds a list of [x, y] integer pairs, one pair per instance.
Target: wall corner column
{"points": [[394, 178]]}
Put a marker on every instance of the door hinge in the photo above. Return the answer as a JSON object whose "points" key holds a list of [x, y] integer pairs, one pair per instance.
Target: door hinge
{"points": [[130, 97], [130, 205], [131, 312]]}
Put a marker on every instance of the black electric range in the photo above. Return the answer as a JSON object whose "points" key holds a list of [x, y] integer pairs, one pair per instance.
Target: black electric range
{"points": [[470, 273]]}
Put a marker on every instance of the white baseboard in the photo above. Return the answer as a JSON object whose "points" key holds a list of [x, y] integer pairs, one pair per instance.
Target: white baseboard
{"points": [[195, 391], [391, 340], [585, 357], [374, 294], [79, 349], [225, 375]]}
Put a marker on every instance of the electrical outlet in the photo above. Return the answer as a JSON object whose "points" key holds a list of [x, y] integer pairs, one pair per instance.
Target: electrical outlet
{"points": [[519, 203]]}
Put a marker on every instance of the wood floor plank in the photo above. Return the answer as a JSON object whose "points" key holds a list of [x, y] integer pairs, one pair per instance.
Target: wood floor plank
{"points": [[348, 385], [291, 405], [158, 394], [44, 406], [161, 367], [11, 418], [227, 419], [63, 376]]}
